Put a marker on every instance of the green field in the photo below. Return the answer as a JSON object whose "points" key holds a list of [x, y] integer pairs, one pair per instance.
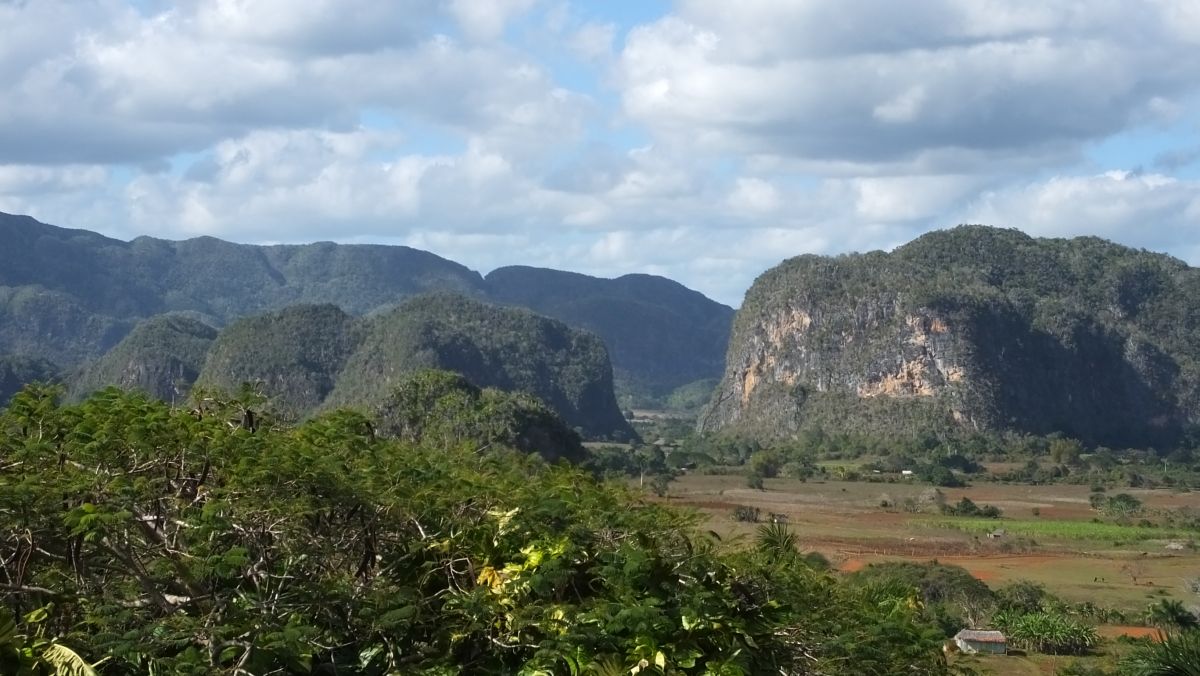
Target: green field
{"points": [[1116, 534]]}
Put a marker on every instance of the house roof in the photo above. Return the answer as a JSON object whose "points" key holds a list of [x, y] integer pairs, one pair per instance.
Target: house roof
{"points": [[980, 636]]}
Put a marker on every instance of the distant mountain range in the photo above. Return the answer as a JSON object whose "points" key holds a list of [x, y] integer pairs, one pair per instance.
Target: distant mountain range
{"points": [[67, 297]]}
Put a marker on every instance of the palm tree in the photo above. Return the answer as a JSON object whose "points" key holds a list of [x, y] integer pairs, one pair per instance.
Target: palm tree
{"points": [[1177, 655], [1170, 614], [777, 541]]}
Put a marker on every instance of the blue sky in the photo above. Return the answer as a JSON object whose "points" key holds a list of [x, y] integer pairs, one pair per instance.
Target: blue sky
{"points": [[699, 139]]}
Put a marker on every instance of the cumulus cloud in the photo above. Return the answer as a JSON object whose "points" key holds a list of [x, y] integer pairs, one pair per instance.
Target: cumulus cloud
{"points": [[910, 82], [705, 144], [1147, 210], [117, 86]]}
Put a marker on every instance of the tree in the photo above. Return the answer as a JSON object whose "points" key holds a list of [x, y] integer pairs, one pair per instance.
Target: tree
{"points": [[1178, 654], [1121, 506], [186, 541], [1170, 614], [766, 463], [1049, 632], [1065, 451]]}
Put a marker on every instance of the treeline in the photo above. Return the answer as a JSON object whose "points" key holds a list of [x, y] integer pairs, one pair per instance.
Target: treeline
{"points": [[213, 539], [941, 460]]}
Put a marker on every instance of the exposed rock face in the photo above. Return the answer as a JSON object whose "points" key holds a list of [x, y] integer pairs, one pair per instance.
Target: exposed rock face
{"points": [[974, 328]]}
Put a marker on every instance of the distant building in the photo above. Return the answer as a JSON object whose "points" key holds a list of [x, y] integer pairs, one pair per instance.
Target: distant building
{"points": [[986, 642]]}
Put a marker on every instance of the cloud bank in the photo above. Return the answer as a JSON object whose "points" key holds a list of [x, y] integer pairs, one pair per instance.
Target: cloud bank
{"points": [[706, 143]]}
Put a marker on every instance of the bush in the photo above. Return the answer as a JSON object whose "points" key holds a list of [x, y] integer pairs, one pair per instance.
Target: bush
{"points": [[1179, 654], [1047, 632], [746, 514]]}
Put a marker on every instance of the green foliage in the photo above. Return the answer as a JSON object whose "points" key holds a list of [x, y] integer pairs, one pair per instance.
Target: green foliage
{"points": [[504, 348], [440, 409], [939, 475], [1065, 451], [1121, 505], [162, 357], [936, 582], [765, 463], [1021, 597], [295, 354], [691, 397], [87, 291], [665, 339], [1177, 655], [967, 507], [1170, 614], [1047, 632], [16, 372], [1064, 530], [30, 653], [216, 541]]}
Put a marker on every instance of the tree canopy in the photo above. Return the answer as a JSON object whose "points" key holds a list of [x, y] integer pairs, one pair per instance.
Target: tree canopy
{"points": [[214, 539]]}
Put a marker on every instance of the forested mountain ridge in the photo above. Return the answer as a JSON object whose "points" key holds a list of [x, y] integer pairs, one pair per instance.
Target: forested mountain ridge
{"points": [[661, 335], [161, 356], [307, 358], [972, 328], [69, 296]]}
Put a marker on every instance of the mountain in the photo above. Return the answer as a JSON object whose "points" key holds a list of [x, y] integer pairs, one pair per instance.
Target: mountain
{"points": [[973, 328], [661, 335], [69, 296], [311, 357], [444, 409], [162, 357], [509, 349], [16, 372], [295, 354]]}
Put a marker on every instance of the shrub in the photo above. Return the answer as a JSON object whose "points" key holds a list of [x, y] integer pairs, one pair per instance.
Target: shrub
{"points": [[746, 514]]}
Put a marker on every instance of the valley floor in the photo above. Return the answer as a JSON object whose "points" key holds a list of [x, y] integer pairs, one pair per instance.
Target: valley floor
{"points": [[1057, 548]]}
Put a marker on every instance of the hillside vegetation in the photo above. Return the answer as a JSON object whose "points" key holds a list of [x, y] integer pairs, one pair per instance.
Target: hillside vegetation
{"points": [[307, 358], [69, 296], [216, 541], [662, 336], [15, 372], [162, 357], [975, 329]]}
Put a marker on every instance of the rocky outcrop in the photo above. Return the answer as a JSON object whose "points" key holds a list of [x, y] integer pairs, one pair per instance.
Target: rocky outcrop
{"points": [[969, 329]]}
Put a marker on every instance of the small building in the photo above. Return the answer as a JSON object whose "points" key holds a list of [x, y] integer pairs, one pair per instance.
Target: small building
{"points": [[997, 534], [973, 641]]}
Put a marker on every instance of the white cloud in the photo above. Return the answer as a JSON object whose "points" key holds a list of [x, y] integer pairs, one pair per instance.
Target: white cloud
{"points": [[902, 82], [754, 195], [486, 19], [733, 135], [1147, 210]]}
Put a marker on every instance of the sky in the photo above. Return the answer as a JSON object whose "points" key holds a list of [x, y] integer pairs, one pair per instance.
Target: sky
{"points": [[703, 140]]}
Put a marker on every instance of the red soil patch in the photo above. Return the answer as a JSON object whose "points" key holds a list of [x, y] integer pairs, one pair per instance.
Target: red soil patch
{"points": [[1115, 630], [852, 565]]}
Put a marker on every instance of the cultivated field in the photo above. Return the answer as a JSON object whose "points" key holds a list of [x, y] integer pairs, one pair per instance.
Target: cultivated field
{"points": [[1122, 567]]}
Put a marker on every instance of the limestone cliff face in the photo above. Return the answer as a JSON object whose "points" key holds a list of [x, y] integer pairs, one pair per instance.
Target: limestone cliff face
{"points": [[969, 329]]}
